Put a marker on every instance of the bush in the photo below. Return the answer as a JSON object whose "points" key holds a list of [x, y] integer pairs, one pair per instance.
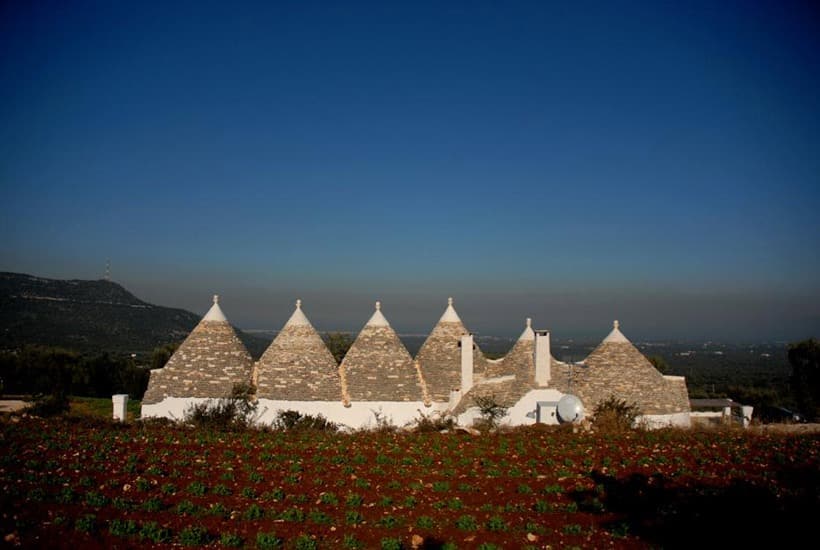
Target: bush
{"points": [[195, 535], [268, 541], [49, 405], [491, 411], [434, 422], [234, 413], [295, 421], [615, 415]]}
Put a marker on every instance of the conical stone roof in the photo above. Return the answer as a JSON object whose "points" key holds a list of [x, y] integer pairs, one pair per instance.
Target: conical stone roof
{"points": [[297, 366], [377, 367], [440, 355], [616, 367], [208, 363]]}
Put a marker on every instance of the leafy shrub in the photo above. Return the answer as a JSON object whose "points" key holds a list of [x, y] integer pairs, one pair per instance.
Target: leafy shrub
{"points": [[253, 512], [491, 411], [496, 523], [52, 404], [152, 531], [194, 535], [304, 542], [122, 527], [295, 421], [197, 488], [425, 522], [391, 544], [231, 540], [233, 413], [86, 524], [466, 523], [434, 422], [268, 541], [615, 415]]}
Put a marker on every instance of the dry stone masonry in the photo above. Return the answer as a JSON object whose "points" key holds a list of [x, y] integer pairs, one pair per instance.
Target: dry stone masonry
{"points": [[207, 364], [297, 371]]}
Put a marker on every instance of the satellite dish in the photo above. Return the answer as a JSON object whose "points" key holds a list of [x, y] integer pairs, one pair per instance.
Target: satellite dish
{"points": [[570, 409]]}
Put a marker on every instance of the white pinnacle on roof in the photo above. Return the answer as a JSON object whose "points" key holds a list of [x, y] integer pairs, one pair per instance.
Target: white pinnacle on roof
{"points": [[215, 313], [450, 315], [378, 320], [528, 333], [298, 318], [616, 336]]}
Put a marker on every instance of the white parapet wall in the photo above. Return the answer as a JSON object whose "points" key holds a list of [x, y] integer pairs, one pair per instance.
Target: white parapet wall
{"points": [[359, 415], [523, 413], [657, 421], [172, 407]]}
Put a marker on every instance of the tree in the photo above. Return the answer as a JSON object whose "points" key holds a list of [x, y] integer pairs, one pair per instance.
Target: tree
{"points": [[659, 363], [161, 355], [804, 358], [338, 343]]}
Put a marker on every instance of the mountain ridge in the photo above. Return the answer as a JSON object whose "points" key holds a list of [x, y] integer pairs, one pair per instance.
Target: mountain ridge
{"points": [[89, 315]]}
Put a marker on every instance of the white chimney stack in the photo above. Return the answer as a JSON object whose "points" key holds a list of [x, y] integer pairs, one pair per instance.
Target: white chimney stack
{"points": [[543, 358], [466, 363]]}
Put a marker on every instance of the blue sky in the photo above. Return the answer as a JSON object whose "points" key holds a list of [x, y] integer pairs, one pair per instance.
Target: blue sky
{"points": [[573, 163]]}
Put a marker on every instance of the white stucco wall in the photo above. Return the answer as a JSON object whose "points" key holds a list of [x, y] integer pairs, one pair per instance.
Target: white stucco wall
{"points": [[360, 414], [521, 414], [171, 407], [656, 421]]}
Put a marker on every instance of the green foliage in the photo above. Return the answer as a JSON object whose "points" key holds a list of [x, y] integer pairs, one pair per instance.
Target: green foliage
{"points": [[804, 358], [152, 531], [391, 544], [338, 343], [466, 523], [86, 523], [491, 411], [229, 414], [434, 422], [659, 363], [304, 542], [123, 527], [194, 535], [48, 371], [161, 355], [295, 421], [615, 415], [231, 540], [268, 541]]}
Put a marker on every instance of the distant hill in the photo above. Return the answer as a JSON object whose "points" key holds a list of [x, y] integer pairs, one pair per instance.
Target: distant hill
{"points": [[89, 316]]}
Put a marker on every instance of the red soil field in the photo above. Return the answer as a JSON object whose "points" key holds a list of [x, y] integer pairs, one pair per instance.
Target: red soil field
{"points": [[92, 484]]}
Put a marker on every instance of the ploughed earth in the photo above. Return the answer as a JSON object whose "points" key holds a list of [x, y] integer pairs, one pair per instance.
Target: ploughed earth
{"points": [[84, 484]]}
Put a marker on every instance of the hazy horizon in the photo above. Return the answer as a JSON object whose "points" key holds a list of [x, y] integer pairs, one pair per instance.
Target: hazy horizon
{"points": [[576, 164]]}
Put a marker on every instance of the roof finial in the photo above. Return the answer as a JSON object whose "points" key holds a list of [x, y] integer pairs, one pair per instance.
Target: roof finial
{"points": [[616, 324], [378, 306], [216, 298], [450, 301], [298, 304], [529, 322]]}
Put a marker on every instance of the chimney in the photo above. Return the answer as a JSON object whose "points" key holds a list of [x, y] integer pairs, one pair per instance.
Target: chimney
{"points": [[543, 359], [466, 363]]}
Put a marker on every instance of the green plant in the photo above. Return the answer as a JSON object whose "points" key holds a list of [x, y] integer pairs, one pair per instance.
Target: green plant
{"points": [[123, 528], [391, 544], [425, 522], [353, 500], [496, 523], [491, 411], [295, 421], [152, 505], [253, 512], [615, 415], [221, 490], [194, 535], [152, 531], [352, 543], [231, 540], [86, 523], [388, 521], [268, 541], [352, 517], [197, 488], [466, 523], [304, 542], [572, 529], [228, 414]]}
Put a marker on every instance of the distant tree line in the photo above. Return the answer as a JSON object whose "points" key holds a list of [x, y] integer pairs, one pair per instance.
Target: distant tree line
{"points": [[39, 370]]}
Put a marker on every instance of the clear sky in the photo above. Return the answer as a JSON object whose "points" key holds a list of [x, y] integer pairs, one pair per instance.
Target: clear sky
{"points": [[574, 162]]}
